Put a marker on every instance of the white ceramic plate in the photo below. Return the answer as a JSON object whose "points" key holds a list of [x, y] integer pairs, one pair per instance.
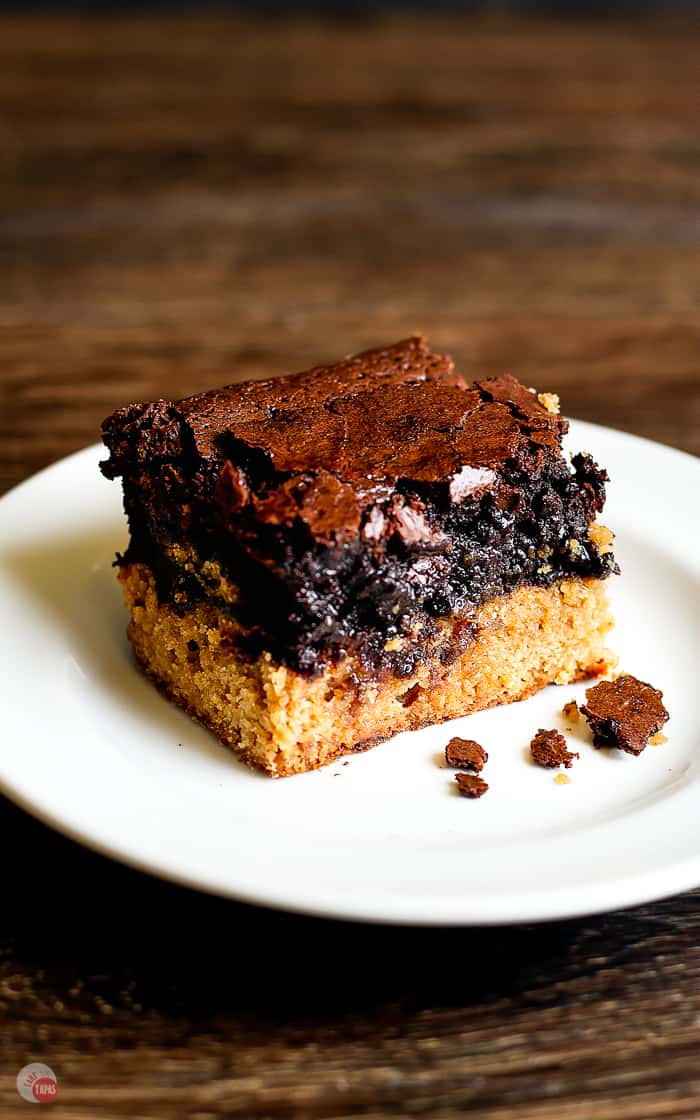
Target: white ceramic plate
{"points": [[90, 747]]}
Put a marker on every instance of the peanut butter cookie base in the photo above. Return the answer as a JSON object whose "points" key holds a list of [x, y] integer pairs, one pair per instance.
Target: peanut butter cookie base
{"points": [[286, 723]]}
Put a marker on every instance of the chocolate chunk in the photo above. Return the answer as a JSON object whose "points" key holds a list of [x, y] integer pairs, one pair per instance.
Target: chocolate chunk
{"points": [[465, 754], [470, 785], [624, 713], [411, 695], [549, 749]]}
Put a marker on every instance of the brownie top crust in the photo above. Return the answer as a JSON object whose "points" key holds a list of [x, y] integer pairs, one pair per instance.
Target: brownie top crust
{"points": [[325, 445], [348, 500]]}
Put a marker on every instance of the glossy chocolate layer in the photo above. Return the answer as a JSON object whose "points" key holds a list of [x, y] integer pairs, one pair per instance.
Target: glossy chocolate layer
{"points": [[350, 503]]}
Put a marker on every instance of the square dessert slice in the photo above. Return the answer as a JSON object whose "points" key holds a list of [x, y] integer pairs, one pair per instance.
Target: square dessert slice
{"points": [[321, 560]]}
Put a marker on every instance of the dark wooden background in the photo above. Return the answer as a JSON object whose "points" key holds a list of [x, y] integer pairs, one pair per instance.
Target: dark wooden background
{"points": [[186, 201]]}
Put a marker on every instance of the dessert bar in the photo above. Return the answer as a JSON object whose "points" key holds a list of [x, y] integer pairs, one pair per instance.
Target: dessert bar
{"points": [[320, 560]]}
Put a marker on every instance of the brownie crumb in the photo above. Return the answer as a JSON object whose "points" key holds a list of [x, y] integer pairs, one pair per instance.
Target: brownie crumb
{"points": [[465, 754], [562, 779], [549, 749], [470, 785], [624, 713], [570, 711]]}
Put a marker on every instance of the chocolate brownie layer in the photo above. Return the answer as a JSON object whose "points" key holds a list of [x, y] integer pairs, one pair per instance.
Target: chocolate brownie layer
{"points": [[351, 504]]}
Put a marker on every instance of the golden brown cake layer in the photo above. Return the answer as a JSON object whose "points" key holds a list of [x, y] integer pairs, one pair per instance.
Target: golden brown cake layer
{"points": [[285, 723]]}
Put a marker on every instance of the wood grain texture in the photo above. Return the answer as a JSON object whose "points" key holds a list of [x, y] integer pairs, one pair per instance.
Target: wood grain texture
{"points": [[188, 201]]}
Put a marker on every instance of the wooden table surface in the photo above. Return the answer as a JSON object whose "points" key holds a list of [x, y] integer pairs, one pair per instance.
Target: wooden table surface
{"points": [[187, 201]]}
